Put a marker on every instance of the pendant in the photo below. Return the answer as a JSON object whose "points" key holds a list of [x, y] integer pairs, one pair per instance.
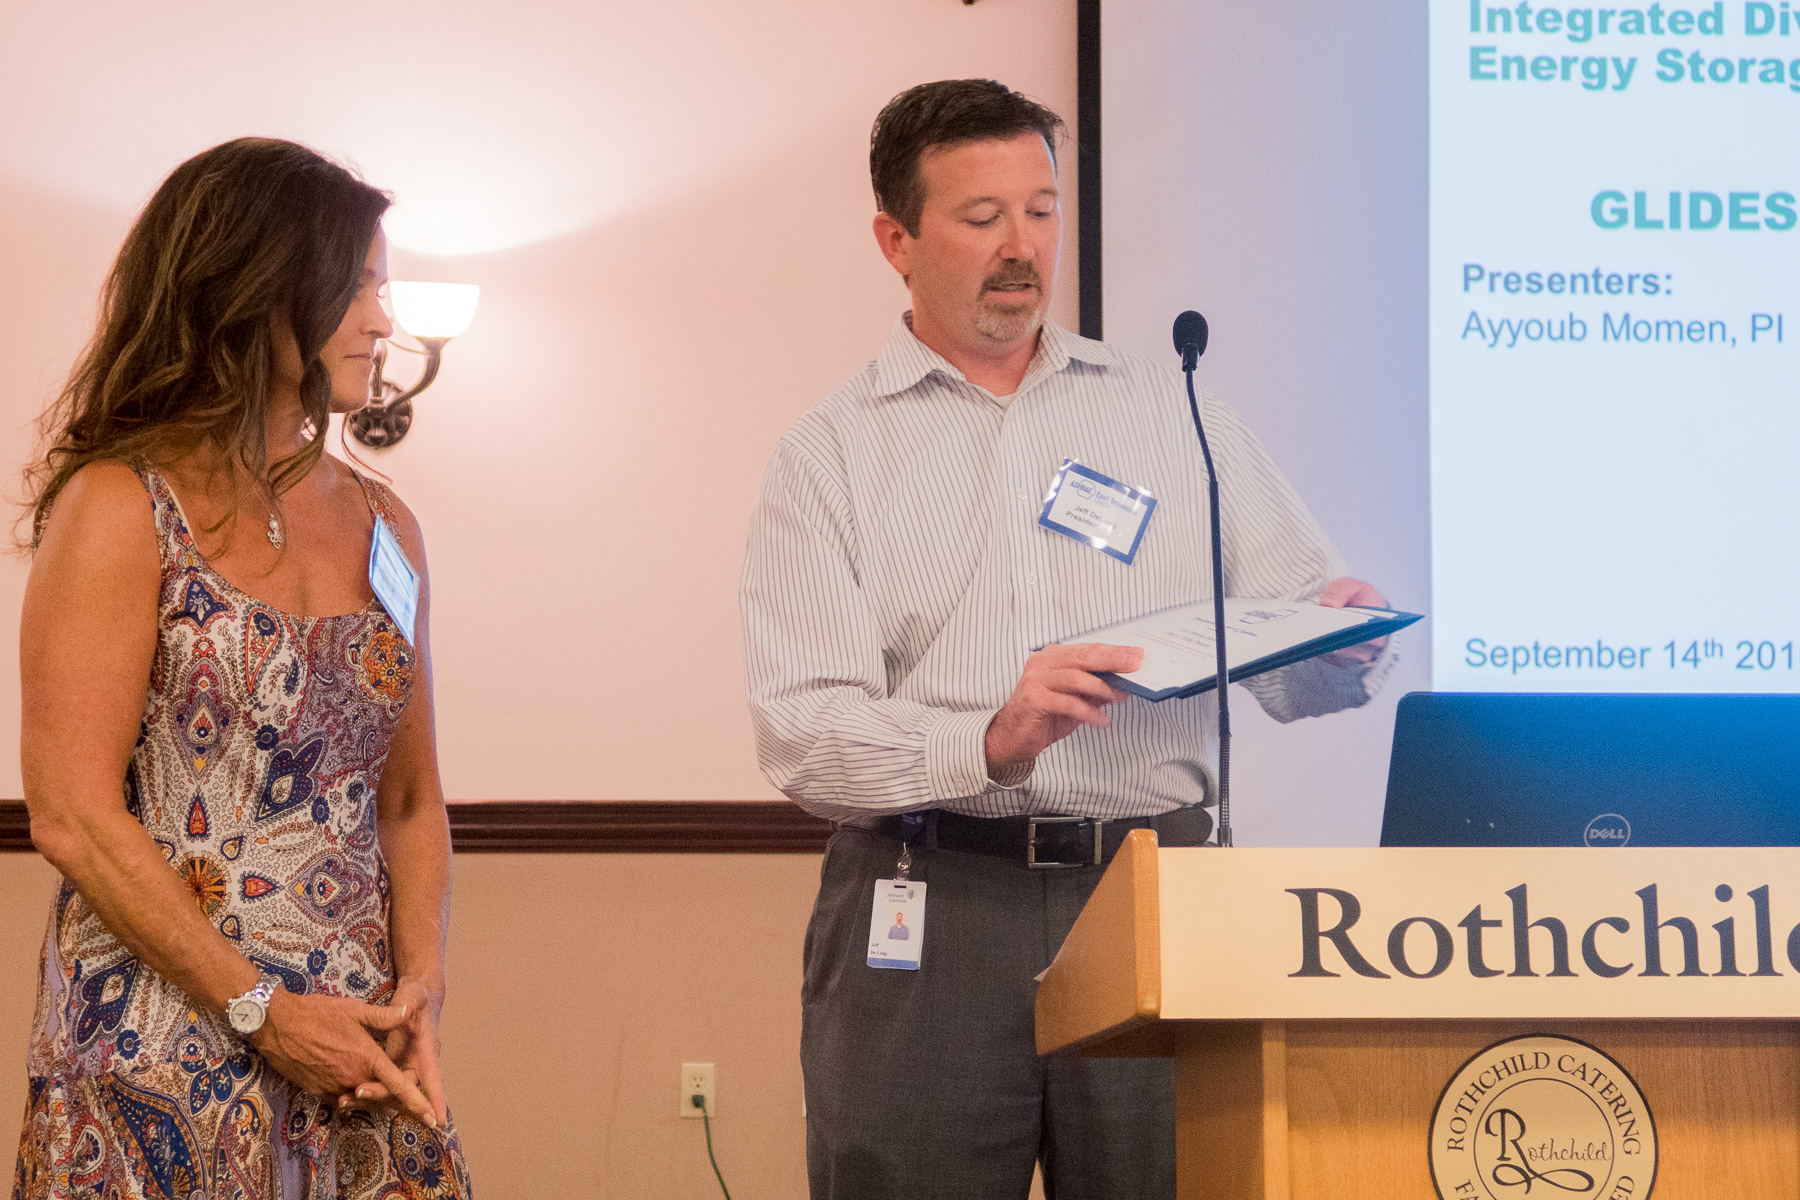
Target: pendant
{"points": [[275, 538]]}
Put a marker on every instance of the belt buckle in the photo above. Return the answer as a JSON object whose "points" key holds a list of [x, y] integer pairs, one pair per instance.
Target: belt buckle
{"points": [[1031, 836]]}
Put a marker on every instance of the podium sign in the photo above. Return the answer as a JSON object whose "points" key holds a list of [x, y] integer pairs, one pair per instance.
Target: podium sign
{"points": [[1481, 933], [1321, 1001]]}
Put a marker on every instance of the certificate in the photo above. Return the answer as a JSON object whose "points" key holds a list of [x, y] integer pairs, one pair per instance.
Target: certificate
{"points": [[1260, 635]]}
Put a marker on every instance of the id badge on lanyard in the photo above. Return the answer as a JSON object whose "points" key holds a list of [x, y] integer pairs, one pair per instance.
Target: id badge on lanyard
{"points": [[897, 920]]}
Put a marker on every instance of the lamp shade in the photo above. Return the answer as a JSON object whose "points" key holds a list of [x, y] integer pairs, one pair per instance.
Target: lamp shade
{"points": [[433, 310]]}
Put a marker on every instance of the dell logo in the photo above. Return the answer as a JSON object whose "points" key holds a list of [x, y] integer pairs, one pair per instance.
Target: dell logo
{"points": [[1607, 829]]}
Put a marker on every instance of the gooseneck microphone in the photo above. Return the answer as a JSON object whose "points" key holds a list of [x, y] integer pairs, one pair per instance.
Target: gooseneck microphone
{"points": [[1190, 341]]}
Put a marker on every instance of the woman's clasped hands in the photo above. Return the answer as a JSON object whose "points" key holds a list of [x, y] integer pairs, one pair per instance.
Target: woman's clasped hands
{"points": [[359, 1055]]}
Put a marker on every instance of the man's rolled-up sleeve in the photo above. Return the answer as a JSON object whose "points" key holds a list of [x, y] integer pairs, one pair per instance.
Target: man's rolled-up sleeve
{"points": [[827, 732]]}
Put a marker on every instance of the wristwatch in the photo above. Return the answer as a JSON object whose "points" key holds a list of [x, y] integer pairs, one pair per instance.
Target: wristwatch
{"points": [[248, 1011]]}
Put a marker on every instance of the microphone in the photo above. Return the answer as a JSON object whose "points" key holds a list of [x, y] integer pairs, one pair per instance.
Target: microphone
{"points": [[1190, 338], [1190, 341]]}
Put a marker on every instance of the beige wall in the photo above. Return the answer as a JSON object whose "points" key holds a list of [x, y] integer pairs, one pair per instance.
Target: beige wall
{"points": [[579, 984], [715, 275], [582, 982], [26, 886]]}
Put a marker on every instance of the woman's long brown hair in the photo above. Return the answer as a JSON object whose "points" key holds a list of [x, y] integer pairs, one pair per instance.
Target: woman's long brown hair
{"points": [[184, 354]]}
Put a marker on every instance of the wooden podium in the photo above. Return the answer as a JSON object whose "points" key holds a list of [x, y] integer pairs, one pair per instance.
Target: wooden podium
{"points": [[1299, 1075]]}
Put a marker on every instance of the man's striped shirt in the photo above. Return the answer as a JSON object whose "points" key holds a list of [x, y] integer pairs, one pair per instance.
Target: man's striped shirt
{"points": [[897, 580]]}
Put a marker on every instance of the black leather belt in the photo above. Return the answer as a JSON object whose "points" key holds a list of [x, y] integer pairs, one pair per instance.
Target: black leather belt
{"points": [[1045, 841]]}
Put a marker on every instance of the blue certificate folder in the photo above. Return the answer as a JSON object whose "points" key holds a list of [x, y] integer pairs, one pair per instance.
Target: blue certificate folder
{"points": [[1261, 635]]}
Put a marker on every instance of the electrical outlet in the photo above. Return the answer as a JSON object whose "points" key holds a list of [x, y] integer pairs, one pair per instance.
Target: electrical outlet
{"points": [[697, 1080]]}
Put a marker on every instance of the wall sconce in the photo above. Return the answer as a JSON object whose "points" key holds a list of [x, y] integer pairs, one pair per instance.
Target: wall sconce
{"points": [[433, 313]]}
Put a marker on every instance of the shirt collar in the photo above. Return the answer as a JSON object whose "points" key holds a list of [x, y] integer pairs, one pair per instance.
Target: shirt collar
{"points": [[905, 360], [1058, 346]]}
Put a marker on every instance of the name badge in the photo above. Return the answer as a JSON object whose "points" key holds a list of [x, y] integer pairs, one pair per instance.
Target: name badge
{"points": [[393, 579], [897, 925], [1097, 511]]}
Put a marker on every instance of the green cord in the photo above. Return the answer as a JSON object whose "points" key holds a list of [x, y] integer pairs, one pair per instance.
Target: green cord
{"points": [[707, 1121]]}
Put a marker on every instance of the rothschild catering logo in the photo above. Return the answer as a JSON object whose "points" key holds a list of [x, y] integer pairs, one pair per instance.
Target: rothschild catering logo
{"points": [[1543, 1117]]}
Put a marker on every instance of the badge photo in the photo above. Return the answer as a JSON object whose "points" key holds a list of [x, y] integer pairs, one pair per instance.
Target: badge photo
{"points": [[1097, 511], [897, 925]]}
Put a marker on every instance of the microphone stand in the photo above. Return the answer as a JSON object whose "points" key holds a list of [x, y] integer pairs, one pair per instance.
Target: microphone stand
{"points": [[1189, 359]]}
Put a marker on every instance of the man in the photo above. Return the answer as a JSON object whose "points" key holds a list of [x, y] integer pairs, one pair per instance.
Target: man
{"points": [[905, 623]]}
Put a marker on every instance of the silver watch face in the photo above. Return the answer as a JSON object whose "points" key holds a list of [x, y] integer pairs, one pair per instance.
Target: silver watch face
{"points": [[246, 1015]]}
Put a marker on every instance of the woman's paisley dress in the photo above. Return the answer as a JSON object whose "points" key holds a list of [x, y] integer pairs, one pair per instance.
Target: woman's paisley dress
{"points": [[255, 773]]}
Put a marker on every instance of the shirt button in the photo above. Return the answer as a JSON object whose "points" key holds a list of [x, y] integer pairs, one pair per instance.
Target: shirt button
{"points": [[1024, 498], [1030, 579]]}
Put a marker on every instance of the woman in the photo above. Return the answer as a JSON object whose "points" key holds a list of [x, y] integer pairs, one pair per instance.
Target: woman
{"points": [[228, 739]]}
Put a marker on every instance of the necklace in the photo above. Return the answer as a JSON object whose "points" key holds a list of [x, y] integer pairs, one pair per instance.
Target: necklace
{"points": [[275, 538]]}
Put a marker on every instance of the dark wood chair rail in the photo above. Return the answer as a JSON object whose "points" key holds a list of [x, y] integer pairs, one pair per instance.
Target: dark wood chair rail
{"points": [[592, 827]]}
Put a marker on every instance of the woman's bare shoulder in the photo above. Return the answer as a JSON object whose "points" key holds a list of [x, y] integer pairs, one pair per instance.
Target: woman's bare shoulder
{"points": [[102, 497], [103, 519]]}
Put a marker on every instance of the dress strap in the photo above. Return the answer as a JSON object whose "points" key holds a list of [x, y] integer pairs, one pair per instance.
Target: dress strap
{"points": [[174, 538], [375, 495], [381, 503]]}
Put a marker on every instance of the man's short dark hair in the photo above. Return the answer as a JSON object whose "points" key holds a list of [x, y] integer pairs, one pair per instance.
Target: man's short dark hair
{"points": [[945, 113]]}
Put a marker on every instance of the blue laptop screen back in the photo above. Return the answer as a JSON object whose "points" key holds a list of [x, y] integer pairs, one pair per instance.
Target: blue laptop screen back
{"points": [[1596, 770]]}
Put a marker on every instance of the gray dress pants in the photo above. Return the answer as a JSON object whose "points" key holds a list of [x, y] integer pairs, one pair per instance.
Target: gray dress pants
{"points": [[927, 1085]]}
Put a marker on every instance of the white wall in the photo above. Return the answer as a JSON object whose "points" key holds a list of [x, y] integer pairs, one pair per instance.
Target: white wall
{"points": [[1265, 164], [667, 208]]}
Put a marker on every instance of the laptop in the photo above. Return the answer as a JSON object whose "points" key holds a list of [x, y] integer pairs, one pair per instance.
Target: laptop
{"points": [[1517, 769]]}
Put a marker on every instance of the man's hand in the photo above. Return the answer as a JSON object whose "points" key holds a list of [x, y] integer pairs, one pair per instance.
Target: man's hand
{"points": [[1342, 593], [1058, 693]]}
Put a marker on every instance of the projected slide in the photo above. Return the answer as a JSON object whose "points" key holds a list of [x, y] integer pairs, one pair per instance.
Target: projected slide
{"points": [[1615, 347]]}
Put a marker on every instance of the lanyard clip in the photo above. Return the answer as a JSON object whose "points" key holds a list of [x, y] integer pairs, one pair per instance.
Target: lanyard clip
{"points": [[912, 825]]}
